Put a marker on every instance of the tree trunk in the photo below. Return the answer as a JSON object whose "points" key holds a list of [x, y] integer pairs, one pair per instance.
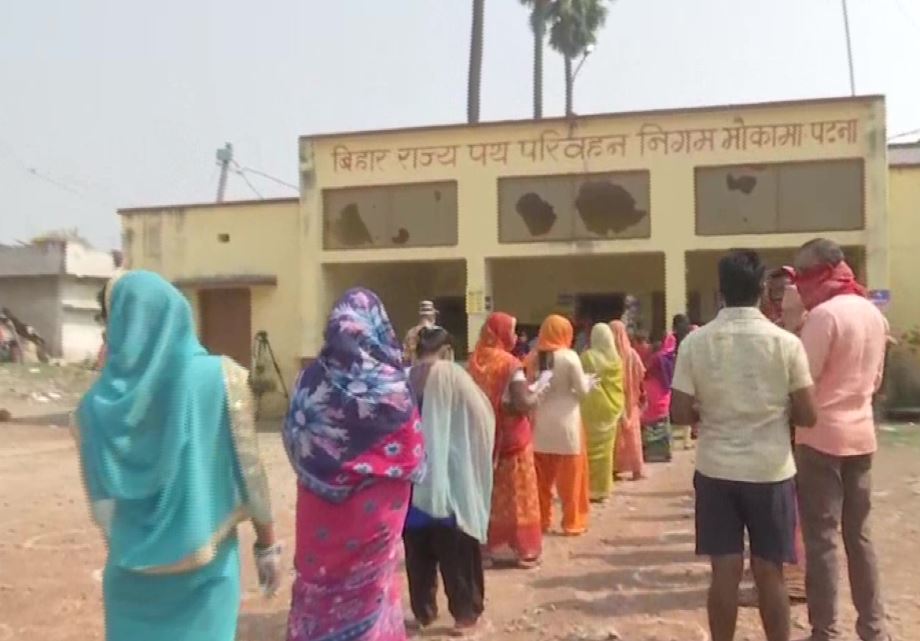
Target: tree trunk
{"points": [[569, 81], [474, 81], [538, 21]]}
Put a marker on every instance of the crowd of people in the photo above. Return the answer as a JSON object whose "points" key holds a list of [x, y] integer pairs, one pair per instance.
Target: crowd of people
{"points": [[399, 451]]}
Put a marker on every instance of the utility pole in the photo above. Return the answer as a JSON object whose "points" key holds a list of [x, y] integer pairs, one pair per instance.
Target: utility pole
{"points": [[224, 158], [846, 26]]}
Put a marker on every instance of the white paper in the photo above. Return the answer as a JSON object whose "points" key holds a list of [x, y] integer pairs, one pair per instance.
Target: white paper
{"points": [[542, 382]]}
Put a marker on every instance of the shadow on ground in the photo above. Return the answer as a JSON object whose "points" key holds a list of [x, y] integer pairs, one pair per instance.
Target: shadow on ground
{"points": [[61, 419]]}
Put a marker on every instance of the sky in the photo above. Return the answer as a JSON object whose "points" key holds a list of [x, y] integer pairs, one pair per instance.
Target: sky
{"points": [[107, 104]]}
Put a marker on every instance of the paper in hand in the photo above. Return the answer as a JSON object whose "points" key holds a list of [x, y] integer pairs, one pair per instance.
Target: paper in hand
{"points": [[542, 382]]}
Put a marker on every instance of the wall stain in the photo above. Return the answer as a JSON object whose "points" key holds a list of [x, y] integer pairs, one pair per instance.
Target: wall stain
{"points": [[538, 215], [606, 207], [744, 183], [350, 228]]}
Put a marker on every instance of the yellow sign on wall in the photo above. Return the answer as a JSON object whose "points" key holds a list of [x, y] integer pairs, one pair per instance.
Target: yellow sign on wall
{"points": [[475, 302]]}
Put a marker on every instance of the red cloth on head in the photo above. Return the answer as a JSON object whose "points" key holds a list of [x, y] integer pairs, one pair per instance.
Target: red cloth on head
{"points": [[491, 366], [822, 282], [491, 362]]}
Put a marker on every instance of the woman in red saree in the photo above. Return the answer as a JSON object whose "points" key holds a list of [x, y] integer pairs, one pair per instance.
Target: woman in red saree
{"points": [[628, 456], [515, 532]]}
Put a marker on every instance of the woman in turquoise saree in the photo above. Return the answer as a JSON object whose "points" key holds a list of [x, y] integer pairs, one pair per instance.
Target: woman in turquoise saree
{"points": [[171, 465]]}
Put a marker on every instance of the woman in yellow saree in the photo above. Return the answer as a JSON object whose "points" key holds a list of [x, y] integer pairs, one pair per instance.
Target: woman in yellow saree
{"points": [[602, 408]]}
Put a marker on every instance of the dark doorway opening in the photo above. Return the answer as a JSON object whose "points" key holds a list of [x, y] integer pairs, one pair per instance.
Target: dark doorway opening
{"points": [[452, 317], [595, 308], [599, 308]]}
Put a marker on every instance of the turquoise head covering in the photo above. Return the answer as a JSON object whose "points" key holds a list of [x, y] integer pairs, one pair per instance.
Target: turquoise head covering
{"points": [[156, 446], [459, 427]]}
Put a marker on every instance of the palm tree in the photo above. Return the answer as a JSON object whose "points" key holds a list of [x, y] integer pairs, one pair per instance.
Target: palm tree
{"points": [[540, 11], [474, 81], [574, 28]]}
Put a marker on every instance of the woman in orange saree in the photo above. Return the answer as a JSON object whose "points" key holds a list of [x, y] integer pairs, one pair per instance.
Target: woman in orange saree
{"points": [[515, 532], [628, 456]]}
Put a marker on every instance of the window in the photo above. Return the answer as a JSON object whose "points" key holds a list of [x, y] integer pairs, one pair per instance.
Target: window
{"points": [[574, 207], [780, 198], [411, 215]]}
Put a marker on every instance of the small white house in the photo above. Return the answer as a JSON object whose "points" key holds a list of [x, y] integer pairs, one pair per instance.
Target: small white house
{"points": [[52, 285]]}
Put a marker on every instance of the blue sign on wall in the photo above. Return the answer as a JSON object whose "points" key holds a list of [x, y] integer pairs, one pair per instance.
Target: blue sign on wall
{"points": [[881, 298]]}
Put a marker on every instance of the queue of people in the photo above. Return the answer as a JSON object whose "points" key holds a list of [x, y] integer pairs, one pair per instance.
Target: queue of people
{"points": [[400, 452]]}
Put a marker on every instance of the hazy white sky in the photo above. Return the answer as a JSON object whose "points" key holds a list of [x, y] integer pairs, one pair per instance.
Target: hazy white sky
{"points": [[107, 103]]}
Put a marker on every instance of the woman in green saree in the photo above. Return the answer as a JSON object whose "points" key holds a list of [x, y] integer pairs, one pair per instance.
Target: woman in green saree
{"points": [[601, 409]]}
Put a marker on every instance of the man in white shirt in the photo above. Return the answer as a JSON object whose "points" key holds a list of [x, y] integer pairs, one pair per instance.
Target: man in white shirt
{"points": [[743, 379]]}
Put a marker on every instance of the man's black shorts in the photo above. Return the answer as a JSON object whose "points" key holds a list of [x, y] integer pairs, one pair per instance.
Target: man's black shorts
{"points": [[724, 509]]}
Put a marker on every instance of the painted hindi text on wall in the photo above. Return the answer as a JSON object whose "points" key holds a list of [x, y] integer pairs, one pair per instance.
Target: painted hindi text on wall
{"points": [[650, 139]]}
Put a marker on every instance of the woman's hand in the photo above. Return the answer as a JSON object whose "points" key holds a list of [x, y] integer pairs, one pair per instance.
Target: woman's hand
{"points": [[267, 551], [268, 567]]}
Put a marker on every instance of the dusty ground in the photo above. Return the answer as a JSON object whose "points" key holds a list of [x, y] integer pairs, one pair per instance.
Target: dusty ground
{"points": [[634, 574]]}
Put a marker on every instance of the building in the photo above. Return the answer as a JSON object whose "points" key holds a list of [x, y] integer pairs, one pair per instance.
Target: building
{"points": [[52, 285], [904, 234], [533, 217]]}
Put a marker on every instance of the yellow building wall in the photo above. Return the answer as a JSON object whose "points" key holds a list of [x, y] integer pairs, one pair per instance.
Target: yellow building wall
{"points": [[703, 275], [456, 153], [182, 243], [529, 288], [904, 213], [400, 285]]}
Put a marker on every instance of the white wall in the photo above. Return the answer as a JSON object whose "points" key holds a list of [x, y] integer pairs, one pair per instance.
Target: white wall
{"points": [[81, 335], [62, 309], [31, 260], [34, 301], [82, 261]]}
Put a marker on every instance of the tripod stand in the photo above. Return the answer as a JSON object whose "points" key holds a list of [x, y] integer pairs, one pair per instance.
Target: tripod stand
{"points": [[262, 354]]}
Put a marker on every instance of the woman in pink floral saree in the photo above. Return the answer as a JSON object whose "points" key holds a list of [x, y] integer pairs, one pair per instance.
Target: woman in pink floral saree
{"points": [[353, 438]]}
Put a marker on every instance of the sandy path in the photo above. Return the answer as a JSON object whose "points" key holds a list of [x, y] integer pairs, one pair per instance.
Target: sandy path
{"points": [[633, 575]]}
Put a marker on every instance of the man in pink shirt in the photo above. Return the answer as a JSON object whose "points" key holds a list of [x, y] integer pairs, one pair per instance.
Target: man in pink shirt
{"points": [[845, 337]]}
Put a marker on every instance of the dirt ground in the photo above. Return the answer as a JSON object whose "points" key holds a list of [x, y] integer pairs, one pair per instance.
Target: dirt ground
{"points": [[633, 577]]}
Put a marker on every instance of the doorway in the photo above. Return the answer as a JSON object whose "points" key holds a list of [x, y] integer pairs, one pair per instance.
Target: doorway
{"points": [[226, 323], [599, 308], [452, 317]]}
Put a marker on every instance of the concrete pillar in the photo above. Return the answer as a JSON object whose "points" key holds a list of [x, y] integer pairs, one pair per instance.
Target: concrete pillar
{"points": [[675, 284], [876, 202], [313, 307], [478, 296]]}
